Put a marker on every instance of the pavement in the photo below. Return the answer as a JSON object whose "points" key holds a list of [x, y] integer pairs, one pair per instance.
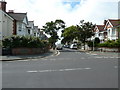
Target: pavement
{"points": [[53, 52], [24, 57], [112, 54]]}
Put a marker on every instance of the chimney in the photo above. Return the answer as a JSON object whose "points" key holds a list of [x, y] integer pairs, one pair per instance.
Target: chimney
{"points": [[105, 21], [3, 5], [11, 11]]}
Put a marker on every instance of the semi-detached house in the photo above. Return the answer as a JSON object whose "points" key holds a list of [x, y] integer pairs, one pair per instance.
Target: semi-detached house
{"points": [[20, 23], [108, 31], [6, 22], [12, 23], [100, 32], [110, 27]]}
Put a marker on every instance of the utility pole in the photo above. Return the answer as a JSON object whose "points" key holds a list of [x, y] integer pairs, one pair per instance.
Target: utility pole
{"points": [[93, 42]]}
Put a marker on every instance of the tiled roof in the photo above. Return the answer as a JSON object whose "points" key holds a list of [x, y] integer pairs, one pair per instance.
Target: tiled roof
{"points": [[18, 16], [100, 27], [115, 22]]}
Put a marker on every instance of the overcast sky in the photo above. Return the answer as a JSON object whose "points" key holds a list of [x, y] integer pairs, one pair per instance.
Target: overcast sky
{"points": [[70, 11]]}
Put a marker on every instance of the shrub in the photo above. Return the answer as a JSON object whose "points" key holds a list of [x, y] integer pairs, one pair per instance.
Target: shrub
{"points": [[90, 43], [110, 44], [24, 41], [96, 42]]}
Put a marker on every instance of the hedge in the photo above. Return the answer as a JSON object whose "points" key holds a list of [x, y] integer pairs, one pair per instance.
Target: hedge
{"points": [[110, 44], [24, 41]]}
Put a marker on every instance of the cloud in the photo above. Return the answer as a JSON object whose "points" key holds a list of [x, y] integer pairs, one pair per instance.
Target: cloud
{"points": [[44, 11]]}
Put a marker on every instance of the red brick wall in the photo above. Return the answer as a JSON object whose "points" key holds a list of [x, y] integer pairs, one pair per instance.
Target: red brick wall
{"points": [[28, 51]]}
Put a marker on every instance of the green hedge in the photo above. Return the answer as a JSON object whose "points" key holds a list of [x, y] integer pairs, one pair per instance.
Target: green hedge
{"points": [[24, 41], [110, 44]]}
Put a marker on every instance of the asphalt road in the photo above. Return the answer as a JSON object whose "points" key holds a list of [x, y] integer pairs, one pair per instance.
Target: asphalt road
{"points": [[69, 69]]}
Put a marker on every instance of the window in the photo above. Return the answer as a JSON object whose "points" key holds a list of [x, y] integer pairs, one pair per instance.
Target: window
{"points": [[113, 31], [34, 34], [20, 27], [28, 31]]}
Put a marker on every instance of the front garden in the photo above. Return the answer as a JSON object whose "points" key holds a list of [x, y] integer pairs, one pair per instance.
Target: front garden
{"points": [[109, 45], [25, 45]]}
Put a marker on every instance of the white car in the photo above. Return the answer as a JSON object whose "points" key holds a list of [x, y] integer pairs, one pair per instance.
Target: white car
{"points": [[73, 46]]}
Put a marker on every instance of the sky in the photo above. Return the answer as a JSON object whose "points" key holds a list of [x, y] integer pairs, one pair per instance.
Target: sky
{"points": [[70, 11]]}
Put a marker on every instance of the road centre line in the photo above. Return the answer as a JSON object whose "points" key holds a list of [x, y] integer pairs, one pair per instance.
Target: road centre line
{"points": [[59, 70]]}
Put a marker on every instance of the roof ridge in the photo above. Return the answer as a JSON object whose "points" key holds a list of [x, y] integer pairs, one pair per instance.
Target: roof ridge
{"points": [[114, 19], [17, 13]]}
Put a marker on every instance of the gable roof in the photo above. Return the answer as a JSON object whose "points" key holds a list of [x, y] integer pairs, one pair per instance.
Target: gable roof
{"points": [[114, 22], [100, 27], [18, 16], [6, 14]]}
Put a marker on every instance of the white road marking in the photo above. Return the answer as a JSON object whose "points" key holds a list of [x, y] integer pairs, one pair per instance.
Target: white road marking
{"points": [[32, 71], [59, 70], [112, 57], [58, 53]]}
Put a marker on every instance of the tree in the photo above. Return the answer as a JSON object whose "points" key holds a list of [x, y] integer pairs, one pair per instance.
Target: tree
{"points": [[51, 28], [97, 41], [69, 34], [85, 31]]}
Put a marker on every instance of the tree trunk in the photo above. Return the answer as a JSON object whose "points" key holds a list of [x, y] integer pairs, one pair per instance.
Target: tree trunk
{"points": [[84, 45]]}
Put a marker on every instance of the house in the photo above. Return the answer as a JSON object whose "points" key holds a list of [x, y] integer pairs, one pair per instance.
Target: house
{"points": [[111, 28], [100, 33], [6, 22], [36, 31], [12, 23], [43, 36], [20, 23], [108, 31], [30, 28]]}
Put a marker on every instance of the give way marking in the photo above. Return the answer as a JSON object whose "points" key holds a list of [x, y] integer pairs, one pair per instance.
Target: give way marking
{"points": [[59, 70]]}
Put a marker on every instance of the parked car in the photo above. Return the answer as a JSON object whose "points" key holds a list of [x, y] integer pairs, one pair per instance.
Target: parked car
{"points": [[73, 46], [59, 47], [66, 46]]}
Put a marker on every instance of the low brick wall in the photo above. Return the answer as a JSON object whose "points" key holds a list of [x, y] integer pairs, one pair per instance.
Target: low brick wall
{"points": [[28, 51], [105, 49]]}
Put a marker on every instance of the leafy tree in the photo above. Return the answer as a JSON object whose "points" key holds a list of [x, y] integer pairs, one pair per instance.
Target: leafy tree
{"points": [[85, 31], [51, 28], [96, 42], [69, 34]]}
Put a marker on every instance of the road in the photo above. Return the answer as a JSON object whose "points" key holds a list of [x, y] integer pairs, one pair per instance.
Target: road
{"points": [[69, 69]]}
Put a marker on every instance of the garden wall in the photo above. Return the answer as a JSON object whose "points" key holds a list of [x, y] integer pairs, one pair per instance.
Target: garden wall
{"points": [[106, 49], [29, 51]]}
